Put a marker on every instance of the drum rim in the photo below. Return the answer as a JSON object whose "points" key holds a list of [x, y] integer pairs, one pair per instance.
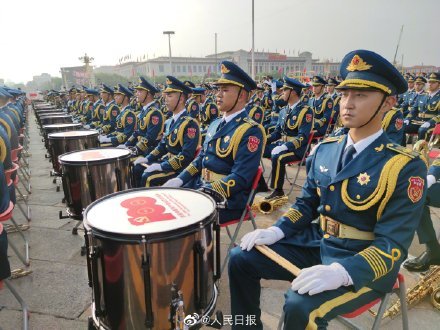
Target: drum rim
{"points": [[56, 116], [61, 125], [52, 137], [91, 162], [151, 237]]}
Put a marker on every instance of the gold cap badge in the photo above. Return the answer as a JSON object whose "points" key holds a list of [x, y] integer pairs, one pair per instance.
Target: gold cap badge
{"points": [[358, 64], [224, 69]]}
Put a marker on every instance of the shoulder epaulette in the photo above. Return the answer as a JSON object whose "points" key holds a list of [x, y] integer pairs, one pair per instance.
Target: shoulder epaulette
{"points": [[250, 121], [403, 150], [333, 139]]}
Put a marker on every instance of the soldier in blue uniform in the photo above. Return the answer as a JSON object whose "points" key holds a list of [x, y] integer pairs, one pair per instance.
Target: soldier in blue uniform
{"points": [[208, 113], [94, 106], [366, 223], [150, 120], [271, 120], [5, 270], [288, 142], [178, 146], [432, 102], [411, 98], [232, 149], [322, 106], [426, 231], [111, 111], [336, 97], [427, 107], [402, 97], [125, 122]]}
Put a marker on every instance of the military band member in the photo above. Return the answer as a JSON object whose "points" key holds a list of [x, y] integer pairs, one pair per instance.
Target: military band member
{"points": [[426, 231], [5, 205], [412, 97], [150, 120], [178, 145], [94, 104], [432, 103], [403, 97], [322, 106], [288, 142], [111, 110], [232, 149], [336, 97], [366, 223], [125, 122], [208, 113]]}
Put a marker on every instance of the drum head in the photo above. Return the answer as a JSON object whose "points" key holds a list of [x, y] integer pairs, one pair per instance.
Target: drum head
{"points": [[97, 155], [55, 126], [150, 211], [72, 134]]}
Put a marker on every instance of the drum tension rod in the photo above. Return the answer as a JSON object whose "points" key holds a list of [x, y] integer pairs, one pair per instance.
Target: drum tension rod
{"points": [[149, 319]]}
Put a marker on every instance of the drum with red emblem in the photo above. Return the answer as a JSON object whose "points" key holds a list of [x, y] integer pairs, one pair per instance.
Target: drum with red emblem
{"points": [[62, 142], [151, 258], [91, 174]]}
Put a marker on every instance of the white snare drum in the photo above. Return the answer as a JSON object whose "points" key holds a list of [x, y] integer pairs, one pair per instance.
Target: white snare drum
{"points": [[151, 257]]}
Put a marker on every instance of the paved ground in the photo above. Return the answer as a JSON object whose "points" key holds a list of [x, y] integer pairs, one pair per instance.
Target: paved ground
{"points": [[57, 291]]}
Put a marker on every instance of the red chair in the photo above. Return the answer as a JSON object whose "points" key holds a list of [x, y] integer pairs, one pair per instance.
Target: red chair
{"points": [[398, 289], [301, 162], [246, 215], [7, 215], [433, 154], [14, 291]]}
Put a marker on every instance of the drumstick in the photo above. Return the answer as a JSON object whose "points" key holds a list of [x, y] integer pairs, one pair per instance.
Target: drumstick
{"points": [[283, 262]]}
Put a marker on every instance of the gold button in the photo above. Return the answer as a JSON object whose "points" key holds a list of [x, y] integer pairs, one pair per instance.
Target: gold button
{"points": [[206, 157], [328, 208], [358, 196], [210, 145], [332, 188], [326, 236]]}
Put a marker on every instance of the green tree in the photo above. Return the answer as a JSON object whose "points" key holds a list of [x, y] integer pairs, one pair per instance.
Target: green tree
{"points": [[110, 79]]}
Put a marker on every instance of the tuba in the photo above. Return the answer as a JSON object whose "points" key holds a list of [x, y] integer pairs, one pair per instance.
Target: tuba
{"points": [[268, 206]]}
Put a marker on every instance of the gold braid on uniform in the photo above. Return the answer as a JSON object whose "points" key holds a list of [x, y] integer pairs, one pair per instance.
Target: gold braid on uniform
{"points": [[180, 133], [293, 215], [192, 170], [323, 106], [387, 119], [218, 186], [385, 188], [298, 120], [236, 139], [375, 258], [176, 162]]}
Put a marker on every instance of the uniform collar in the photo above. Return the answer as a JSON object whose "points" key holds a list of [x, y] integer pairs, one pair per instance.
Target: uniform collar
{"points": [[433, 94], [294, 105], [227, 119], [177, 115], [362, 144], [146, 106]]}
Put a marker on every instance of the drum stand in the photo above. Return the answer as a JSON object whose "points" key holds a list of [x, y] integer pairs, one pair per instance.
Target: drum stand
{"points": [[76, 228]]}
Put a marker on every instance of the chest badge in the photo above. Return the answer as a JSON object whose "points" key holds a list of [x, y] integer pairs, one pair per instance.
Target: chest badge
{"points": [[323, 169], [363, 179]]}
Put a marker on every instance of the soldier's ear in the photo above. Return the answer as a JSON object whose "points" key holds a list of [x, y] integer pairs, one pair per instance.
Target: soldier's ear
{"points": [[390, 102]]}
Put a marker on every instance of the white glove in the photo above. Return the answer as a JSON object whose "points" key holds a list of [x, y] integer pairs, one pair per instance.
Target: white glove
{"points": [[425, 125], [430, 179], [153, 168], [122, 146], [104, 139], [277, 150], [140, 160], [321, 278], [75, 121], [406, 121], [173, 183], [261, 236], [87, 126]]}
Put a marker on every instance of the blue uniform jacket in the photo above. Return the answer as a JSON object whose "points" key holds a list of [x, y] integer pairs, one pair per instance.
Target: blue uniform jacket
{"points": [[296, 124], [180, 142], [125, 124], [427, 108], [149, 128], [235, 151], [382, 190], [322, 108], [111, 112]]}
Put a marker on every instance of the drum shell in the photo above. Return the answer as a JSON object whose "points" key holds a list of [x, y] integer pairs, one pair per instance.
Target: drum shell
{"points": [[47, 129], [49, 120], [83, 183], [59, 146], [47, 113], [172, 261]]}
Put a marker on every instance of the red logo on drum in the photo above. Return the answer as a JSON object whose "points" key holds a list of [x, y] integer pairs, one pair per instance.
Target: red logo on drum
{"points": [[142, 210]]}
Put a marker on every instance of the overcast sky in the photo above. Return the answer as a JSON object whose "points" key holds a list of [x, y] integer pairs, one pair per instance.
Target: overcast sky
{"points": [[44, 35]]}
